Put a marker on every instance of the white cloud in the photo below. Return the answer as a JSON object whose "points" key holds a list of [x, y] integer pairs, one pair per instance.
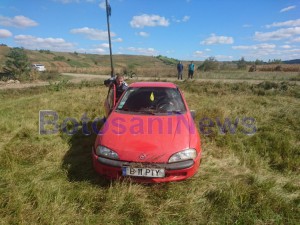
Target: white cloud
{"points": [[117, 40], [199, 54], [295, 50], [184, 19], [104, 45], [247, 25], [17, 21], [213, 39], [102, 5], [297, 39], [148, 21], [97, 50], [259, 51], [289, 23], [285, 46], [224, 57], [5, 33], [31, 42], [143, 51], [263, 46], [280, 53], [288, 8], [93, 34], [278, 34], [143, 34]]}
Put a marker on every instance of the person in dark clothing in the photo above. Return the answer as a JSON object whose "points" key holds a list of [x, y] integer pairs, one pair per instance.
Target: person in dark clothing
{"points": [[179, 70], [121, 85], [191, 70]]}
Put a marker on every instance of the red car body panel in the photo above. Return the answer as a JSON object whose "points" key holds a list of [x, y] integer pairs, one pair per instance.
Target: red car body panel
{"points": [[148, 140]]}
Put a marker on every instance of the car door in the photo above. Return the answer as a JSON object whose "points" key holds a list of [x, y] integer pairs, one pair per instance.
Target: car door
{"points": [[110, 100]]}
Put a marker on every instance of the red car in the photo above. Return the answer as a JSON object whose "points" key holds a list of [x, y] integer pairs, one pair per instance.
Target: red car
{"points": [[149, 135]]}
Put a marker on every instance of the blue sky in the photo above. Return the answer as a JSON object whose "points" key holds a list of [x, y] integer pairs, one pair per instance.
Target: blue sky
{"points": [[181, 29]]}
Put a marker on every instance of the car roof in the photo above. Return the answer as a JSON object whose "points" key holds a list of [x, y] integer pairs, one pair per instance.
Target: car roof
{"points": [[153, 84]]}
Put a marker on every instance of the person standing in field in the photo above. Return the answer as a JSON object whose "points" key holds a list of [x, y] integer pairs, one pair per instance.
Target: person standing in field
{"points": [[191, 70], [179, 70]]}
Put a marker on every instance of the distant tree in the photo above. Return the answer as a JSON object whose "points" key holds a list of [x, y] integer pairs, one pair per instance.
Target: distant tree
{"points": [[45, 51], [242, 64], [17, 64], [275, 61], [258, 62], [3, 45], [209, 64]]}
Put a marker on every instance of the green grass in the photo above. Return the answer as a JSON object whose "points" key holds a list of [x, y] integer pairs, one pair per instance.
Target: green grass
{"points": [[243, 179], [244, 75]]}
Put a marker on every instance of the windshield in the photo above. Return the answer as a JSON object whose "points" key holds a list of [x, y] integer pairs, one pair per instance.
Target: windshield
{"points": [[152, 100]]}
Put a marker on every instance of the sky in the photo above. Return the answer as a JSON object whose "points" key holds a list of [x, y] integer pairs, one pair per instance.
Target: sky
{"points": [[181, 29]]}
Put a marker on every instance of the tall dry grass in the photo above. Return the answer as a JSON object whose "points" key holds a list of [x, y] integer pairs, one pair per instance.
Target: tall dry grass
{"points": [[243, 179]]}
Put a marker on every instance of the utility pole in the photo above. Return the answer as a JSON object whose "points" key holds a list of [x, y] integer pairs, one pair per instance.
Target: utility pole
{"points": [[108, 14]]}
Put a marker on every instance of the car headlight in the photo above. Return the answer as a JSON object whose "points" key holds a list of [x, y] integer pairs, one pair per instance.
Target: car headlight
{"points": [[106, 152], [183, 155]]}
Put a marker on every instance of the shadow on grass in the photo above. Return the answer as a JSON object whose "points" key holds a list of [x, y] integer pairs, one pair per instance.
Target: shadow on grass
{"points": [[78, 160]]}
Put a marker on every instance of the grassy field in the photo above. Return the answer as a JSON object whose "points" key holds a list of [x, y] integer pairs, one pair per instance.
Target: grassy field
{"points": [[249, 172], [240, 75]]}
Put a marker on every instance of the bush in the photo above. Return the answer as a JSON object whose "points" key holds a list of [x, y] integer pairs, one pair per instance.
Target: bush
{"points": [[45, 51], [47, 76], [59, 85], [59, 58], [209, 64]]}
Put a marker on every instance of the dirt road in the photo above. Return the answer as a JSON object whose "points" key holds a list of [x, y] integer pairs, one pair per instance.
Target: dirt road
{"points": [[77, 78]]}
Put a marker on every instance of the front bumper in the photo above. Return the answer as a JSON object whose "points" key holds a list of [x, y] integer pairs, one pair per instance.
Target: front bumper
{"points": [[112, 169]]}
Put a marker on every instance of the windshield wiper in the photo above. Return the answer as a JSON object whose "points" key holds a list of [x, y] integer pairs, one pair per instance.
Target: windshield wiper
{"points": [[148, 112], [174, 112]]}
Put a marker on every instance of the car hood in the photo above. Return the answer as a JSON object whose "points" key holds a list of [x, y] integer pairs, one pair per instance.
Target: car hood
{"points": [[146, 138]]}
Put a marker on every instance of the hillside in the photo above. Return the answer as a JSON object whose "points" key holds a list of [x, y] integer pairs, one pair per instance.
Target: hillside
{"points": [[91, 63], [293, 61], [73, 62]]}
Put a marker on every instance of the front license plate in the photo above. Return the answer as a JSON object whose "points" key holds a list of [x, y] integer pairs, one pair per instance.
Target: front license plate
{"points": [[143, 172]]}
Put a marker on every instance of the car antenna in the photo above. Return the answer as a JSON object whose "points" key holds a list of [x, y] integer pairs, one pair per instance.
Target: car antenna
{"points": [[108, 14]]}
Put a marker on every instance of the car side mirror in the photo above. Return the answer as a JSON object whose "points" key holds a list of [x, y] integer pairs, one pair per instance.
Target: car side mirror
{"points": [[193, 114]]}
